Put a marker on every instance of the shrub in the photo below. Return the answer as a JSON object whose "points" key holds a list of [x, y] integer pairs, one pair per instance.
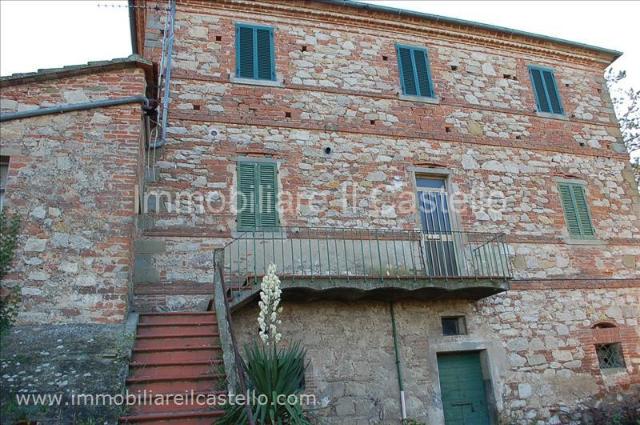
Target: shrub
{"points": [[9, 297], [272, 372]]}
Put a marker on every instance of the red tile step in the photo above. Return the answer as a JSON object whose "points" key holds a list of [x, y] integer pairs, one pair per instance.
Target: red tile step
{"points": [[176, 344], [180, 329], [175, 354], [173, 318], [179, 402], [196, 417], [147, 370]]}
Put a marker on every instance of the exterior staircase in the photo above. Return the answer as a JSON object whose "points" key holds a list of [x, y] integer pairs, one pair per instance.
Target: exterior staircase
{"points": [[175, 354]]}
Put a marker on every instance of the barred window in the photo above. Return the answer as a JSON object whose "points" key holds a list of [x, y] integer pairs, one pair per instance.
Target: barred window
{"points": [[610, 355]]}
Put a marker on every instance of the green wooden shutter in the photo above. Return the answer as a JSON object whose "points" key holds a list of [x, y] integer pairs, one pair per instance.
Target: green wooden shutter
{"points": [[422, 72], [405, 63], [545, 90], [264, 54], [552, 91], [255, 52], [267, 195], [415, 76], [576, 210], [538, 88], [580, 199], [247, 173], [257, 195], [245, 52]]}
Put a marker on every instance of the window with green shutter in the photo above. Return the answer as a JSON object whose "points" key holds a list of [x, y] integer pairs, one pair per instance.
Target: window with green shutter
{"points": [[576, 210], [415, 74], [545, 90], [257, 195], [255, 52]]}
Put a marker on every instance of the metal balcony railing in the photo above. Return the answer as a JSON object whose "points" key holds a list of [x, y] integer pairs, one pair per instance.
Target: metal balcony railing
{"points": [[355, 256]]}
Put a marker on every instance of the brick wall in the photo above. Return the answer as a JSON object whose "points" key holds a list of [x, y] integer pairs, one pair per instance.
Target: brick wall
{"points": [[72, 179]]}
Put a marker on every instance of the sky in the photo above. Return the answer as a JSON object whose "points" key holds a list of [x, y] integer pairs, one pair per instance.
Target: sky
{"points": [[46, 34]]}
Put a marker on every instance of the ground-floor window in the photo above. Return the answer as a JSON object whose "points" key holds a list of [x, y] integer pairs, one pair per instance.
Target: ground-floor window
{"points": [[610, 356]]}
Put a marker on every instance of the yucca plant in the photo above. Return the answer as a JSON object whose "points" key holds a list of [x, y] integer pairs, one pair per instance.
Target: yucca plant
{"points": [[275, 375], [272, 373]]}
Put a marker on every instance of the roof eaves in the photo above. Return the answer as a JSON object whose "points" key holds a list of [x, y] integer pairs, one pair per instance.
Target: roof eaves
{"points": [[72, 70], [615, 54]]}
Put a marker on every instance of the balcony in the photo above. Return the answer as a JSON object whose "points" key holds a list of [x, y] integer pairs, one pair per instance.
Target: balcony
{"points": [[349, 264]]}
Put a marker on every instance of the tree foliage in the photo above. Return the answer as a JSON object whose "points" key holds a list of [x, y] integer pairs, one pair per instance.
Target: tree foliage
{"points": [[9, 297], [626, 102]]}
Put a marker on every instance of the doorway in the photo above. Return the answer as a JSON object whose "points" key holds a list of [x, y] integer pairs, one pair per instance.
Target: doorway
{"points": [[438, 236], [462, 388]]}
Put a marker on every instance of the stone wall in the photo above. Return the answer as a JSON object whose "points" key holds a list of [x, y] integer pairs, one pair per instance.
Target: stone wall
{"points": [[540, 347], [72, 179], [63, 361]]}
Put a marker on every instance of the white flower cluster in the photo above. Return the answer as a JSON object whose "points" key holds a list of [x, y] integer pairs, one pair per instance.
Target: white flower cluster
{"points": [[269, 307]]}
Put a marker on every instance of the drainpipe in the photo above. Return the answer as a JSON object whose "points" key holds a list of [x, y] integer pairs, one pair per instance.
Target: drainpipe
{"points": [[69, 107], [403, 405]]}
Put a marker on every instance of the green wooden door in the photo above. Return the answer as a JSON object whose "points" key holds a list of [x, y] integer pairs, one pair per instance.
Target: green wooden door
{"points": [[462, 388]]}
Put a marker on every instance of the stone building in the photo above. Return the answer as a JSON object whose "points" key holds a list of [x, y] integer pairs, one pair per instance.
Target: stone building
{"points": [[449, 206]]}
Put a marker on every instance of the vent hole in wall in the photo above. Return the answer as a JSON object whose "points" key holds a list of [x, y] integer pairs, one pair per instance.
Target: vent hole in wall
{"points": [[447, 129], [213, 132], [196, 107], [373, 122], [518, 137], [507, 76], [454, 67], [327, 150], [582, 144], [218, 38], [287, 114], [303, 49], [385, 58]]}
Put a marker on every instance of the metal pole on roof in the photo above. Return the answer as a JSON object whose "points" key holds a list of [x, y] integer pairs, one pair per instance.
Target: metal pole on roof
{"points": [[167, 80]]}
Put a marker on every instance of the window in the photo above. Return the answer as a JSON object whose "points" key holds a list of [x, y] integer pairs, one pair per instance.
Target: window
{"points": [[545, 90], [255, 52], [610, 355], [4, 173], [415, 76], [257, 195], [576, 211], [454, 326]]}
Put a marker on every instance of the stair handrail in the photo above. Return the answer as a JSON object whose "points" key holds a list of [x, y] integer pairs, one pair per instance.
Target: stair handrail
{"points": [[240, 366]]}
